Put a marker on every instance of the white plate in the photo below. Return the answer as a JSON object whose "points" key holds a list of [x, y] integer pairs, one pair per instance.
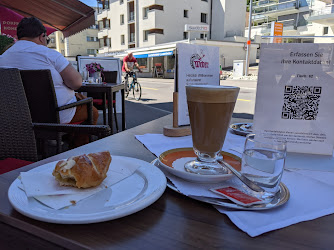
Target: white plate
{"points": [[129, 196], [167, 158]]}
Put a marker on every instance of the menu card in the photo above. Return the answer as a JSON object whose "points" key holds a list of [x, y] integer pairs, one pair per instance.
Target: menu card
{"points": [[197, 65], [294, 98]]}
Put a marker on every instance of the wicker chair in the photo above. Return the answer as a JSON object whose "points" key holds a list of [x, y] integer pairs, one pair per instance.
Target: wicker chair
{"points": [[41, 96], [17, 133]]}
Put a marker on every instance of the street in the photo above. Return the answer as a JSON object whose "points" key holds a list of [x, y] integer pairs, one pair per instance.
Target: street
{"points": [[158, 93], [157, 101]]}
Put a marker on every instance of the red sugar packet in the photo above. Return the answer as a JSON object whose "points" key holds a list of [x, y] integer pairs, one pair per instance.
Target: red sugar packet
{"points": [[236, 196]]}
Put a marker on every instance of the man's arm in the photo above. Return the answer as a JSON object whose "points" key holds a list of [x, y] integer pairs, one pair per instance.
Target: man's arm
{"points": [[137, 65], [126, 66], [71, 77]]}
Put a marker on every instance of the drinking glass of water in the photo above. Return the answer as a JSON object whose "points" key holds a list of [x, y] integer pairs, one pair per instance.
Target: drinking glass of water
{"points": [[263, 161]]}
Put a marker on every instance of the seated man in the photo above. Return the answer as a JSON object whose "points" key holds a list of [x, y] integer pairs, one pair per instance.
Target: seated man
{"points": [[30, 52]]}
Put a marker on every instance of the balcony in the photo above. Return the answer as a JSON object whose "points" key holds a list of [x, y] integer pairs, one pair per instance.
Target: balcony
{"points": [[324, 16], [274, 8]]}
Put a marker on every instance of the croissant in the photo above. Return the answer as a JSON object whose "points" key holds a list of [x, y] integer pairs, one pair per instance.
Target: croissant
{"points": [[83, 171]]}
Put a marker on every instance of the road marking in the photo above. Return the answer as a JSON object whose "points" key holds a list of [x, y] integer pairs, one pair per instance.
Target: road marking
{"points": [[149, 88], [168, 112], [248, 88], [244, 100]]}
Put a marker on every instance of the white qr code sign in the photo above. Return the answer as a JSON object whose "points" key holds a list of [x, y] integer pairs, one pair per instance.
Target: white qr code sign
{"points": [[294, 98]]}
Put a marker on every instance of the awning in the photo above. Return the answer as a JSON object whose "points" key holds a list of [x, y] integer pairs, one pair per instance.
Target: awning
{"points": [[156, 54], [68, 16], [9, 20]]}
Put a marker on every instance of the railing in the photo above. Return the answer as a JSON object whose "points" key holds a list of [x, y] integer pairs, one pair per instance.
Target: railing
{"points": [[274, 6], [323, 11], [132, 38], [286, 23], [131, 16]]}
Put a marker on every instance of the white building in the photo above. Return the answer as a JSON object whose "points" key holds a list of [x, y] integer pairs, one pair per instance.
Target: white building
{"points": [[151, 28], [305, 18]]}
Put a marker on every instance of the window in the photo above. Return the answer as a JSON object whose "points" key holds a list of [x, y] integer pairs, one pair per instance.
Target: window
{"points": [[121, 1], [108, 42], [132, 38], [100, 25], [91, 51], [102, 5], [122, 39], [203, 17], [185, 13], [122, 19], [52, 40], [106, 23], [105, 42], [143, 62], [63, 52], [145, 12], [325, 30], [202, 36], [185, 35], [146, 32], [91, 39]]}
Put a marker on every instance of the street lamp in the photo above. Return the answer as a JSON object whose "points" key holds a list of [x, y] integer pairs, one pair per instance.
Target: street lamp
{"points": [[249, 36]]}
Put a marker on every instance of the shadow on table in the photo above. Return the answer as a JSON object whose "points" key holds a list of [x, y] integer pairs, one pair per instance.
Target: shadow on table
{"points": [[243, 116]]}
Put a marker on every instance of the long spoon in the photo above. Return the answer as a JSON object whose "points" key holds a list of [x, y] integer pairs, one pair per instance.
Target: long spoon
{"points": [[244, 179]]}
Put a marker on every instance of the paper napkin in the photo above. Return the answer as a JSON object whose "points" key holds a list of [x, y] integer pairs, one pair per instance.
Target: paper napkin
{"points": [[309, 199], [43, 186], [311, 191]]}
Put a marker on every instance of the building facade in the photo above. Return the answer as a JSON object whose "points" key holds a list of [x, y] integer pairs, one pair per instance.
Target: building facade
{"points": [[151, 28], [305, 19]]}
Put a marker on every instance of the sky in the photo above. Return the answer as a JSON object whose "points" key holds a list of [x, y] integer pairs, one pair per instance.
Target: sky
{"points": [[89, 2]]}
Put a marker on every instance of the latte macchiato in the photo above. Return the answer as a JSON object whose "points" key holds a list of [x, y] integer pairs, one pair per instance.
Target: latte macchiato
{"points": [[210, 111]]}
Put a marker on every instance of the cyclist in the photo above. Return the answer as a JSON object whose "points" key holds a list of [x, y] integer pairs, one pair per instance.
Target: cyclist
{"points": [[129, 62]]}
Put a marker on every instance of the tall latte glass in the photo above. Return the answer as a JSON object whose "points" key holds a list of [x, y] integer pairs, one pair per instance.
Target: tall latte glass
{"points": [[210, 111]]}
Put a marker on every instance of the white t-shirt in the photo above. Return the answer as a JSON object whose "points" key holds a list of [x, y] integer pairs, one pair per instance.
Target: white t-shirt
{"points": [[26, 55]]}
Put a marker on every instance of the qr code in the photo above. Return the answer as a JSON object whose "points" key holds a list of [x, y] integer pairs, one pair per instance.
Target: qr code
{"points": [[301, 102]]}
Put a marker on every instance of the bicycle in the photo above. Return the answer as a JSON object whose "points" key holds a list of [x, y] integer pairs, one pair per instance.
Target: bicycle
{"points": [[134, 86]]}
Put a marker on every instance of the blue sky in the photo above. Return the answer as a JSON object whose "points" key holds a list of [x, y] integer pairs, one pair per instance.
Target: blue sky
{"points": [[89, 2]]}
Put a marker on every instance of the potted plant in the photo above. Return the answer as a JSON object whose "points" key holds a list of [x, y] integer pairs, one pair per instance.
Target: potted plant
{"points": [[94, 70]]}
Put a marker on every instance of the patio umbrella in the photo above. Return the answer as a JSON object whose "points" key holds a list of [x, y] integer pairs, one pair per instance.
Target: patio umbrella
{"points": [[68, 16]]}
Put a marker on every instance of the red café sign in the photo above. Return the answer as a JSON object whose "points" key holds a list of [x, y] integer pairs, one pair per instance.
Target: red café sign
{"points": [[9, 21]]}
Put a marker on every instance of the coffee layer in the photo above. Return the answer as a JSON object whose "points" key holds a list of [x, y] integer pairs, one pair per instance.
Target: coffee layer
{"points": [[211, 94], [209, 123]]}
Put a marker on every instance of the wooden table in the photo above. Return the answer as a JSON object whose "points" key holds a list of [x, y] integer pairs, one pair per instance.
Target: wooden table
{"points": [[172, 222], [108, 90]]}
